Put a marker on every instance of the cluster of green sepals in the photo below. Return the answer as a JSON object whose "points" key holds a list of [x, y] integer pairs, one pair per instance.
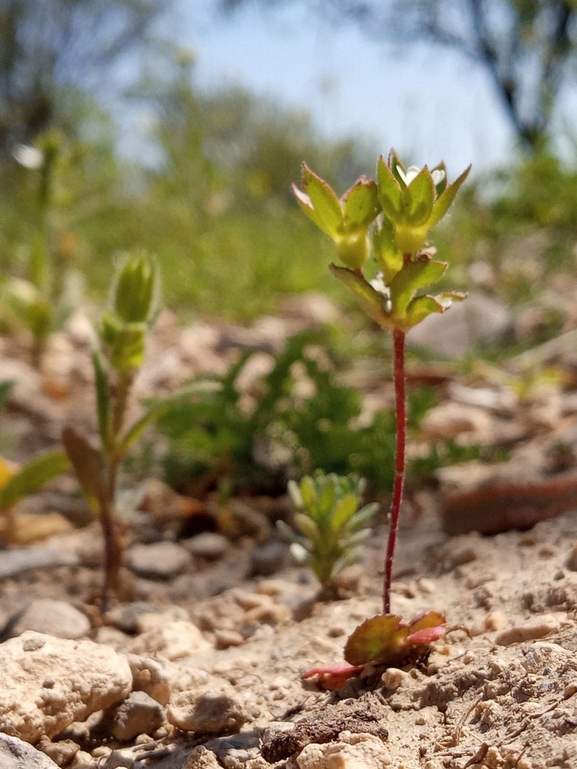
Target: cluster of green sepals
{"points": [[331, 523], [388, 219]]}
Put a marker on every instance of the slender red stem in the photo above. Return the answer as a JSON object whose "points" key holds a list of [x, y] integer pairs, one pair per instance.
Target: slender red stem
{"points": [[400, 458]]}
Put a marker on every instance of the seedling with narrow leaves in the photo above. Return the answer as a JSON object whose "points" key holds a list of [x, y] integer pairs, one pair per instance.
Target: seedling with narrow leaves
{"points": [[389, 220], [331, 522], [122, 331]]}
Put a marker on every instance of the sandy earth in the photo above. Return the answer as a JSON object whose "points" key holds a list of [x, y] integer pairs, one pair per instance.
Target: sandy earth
{"points": [[500, 690]]}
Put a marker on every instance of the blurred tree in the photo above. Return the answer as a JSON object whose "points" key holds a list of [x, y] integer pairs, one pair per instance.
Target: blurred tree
{"points": [[527, 47], [47, 46]]}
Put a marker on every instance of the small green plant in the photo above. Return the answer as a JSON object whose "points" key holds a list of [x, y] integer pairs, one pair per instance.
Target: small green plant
{"points": [[134, 303], [218, 436], [388, 219], [331, 523]]}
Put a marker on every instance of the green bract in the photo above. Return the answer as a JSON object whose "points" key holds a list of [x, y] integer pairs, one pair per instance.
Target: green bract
{"points": [[347, 220], [135, 294]]}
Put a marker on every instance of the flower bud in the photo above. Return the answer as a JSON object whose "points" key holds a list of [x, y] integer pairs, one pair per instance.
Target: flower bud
{"points": [[135, 292]]}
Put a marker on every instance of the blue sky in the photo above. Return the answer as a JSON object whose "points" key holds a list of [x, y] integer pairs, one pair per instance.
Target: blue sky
{"points": [[428, 103]]}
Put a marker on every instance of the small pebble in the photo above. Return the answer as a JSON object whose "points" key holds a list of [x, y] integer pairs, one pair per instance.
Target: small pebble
{"points": [[207, 544], [138, 714], [533, 628], [571, 562], [223, 639], [160, 560], [494, 620], [393, 678]]}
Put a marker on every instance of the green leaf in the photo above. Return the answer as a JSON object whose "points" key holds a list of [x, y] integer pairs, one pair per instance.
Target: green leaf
{"points": [[326, 499], [387, 254], [299, 552], [423, 306], [32, 476], [87, 464], [443, 202], [370, 300], [289, 533], [102, 398], [390, 194], [127, 352], [419, 197], [360, 204], [295, 495], [158, 409], [309, 494], [377, 639], [307, 526], [319, 203], [344, 511], [362, 516], [409, 280], [429, 619], [393, 163]]}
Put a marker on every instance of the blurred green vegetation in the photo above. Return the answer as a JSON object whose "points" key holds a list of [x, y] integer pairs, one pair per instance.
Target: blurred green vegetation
{"points": [[210, 196]]}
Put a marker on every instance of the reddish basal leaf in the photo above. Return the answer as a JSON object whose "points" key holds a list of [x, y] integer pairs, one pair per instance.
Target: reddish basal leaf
{"points": [[332, 676], [385, 640]]}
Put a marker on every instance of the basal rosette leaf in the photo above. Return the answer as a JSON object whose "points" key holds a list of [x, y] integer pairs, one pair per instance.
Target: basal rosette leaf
{"points": [[409, 280], [378, 639], [427, 628]]}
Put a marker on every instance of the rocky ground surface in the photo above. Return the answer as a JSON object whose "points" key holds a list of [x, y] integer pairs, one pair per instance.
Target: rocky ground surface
{"points": [[200, 666]]}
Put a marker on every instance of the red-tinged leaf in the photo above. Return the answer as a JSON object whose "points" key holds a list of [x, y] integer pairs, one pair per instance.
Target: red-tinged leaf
{"points": [[428, 619], [426, 636], [331, 677], [379, 639]]}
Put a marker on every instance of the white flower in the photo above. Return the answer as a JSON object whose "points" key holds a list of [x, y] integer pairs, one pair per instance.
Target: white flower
{"points": [[379, 285], [28, 156], [413, 171]]}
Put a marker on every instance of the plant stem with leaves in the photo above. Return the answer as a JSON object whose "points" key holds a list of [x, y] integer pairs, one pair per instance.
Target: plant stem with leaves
{"points": [[122, 331], [388, 220]]}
